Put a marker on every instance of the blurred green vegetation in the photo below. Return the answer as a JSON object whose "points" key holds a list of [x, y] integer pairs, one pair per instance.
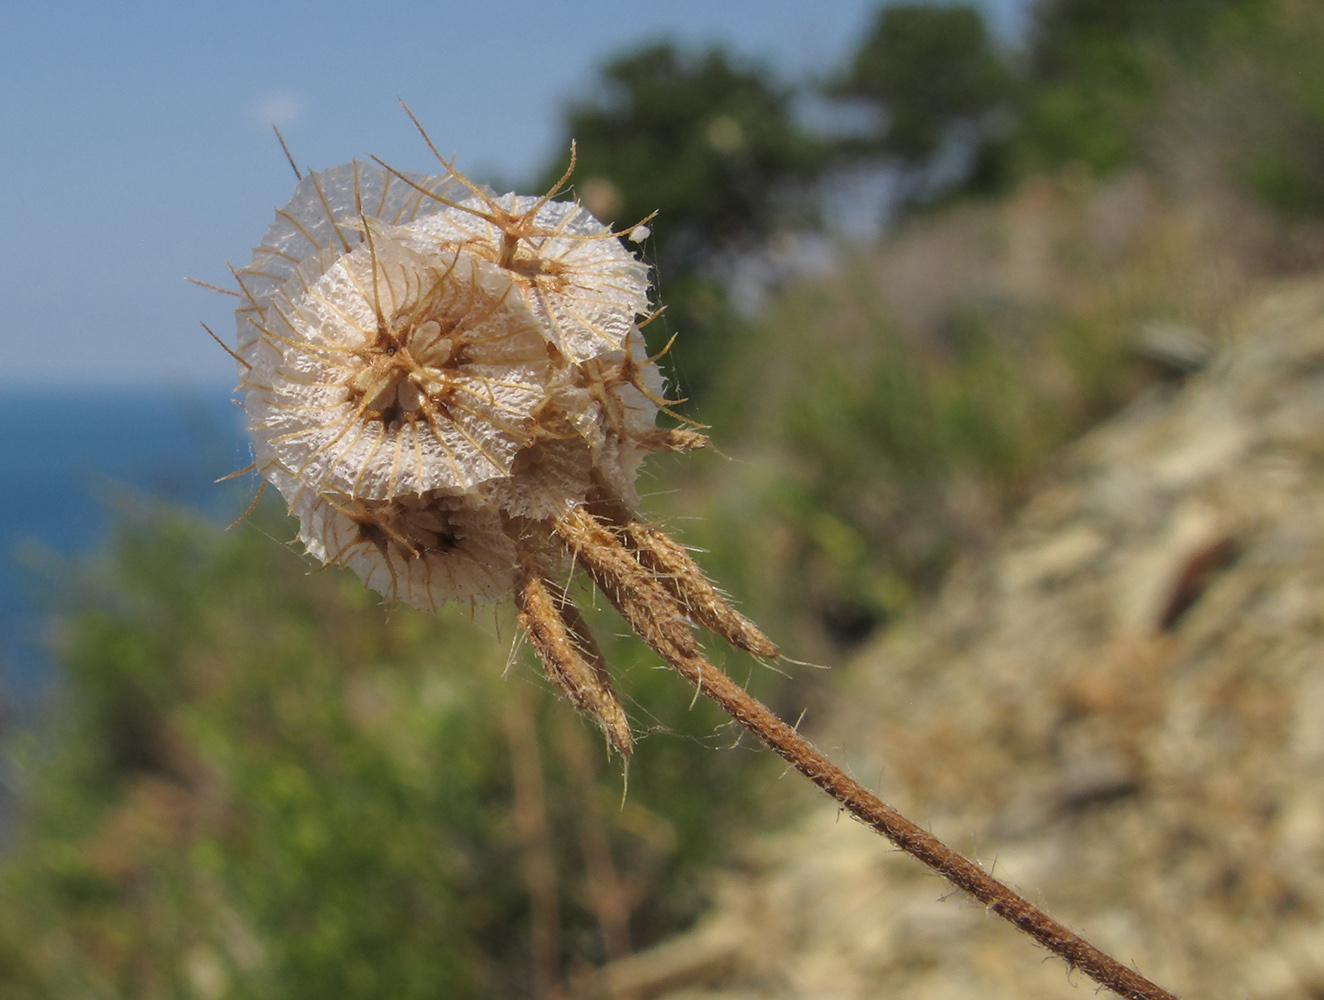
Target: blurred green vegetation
{"points": [[1096, 72], [1275, 95], [928, 70], [873, 451], [700, 139], [258, 783], [262, 785]]}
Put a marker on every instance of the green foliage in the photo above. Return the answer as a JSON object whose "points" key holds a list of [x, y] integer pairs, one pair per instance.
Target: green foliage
{"points": [[1276, 109], [1090, 118], [904, 459], [1094, 86], [927, 69], [266, 785], [875, 451], [1065, 30], [1281, 176], [1099, 73]]}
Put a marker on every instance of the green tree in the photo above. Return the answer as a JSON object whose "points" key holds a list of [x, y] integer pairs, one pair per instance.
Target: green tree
{"points": [[928, 70], [1097, 71], [1063, 30]]}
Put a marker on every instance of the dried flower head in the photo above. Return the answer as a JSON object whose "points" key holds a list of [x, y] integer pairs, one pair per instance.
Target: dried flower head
{"points": [[422, 374], [325, 213], [394, 369], [572, 271], [423, 550]]}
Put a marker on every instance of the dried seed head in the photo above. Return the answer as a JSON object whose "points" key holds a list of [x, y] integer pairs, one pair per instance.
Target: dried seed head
{"points": [[324, 213], [424, 551], [620, 425], [426, 377], [394, 369], [454, 398], [584, 286]]}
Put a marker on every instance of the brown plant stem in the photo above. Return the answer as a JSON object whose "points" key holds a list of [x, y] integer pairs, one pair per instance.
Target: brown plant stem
{"points": [[651, 610]]}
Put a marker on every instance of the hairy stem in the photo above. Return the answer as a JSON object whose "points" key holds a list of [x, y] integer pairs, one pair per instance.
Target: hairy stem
{"points": [[651, 611], [570, 656]]}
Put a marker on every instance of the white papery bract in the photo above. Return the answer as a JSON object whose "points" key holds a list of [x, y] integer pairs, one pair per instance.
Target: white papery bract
{"points": [[424, 551], [584, 286], [425, 379], [395, 369], [619, 426], [325, 213], [549, 478]]}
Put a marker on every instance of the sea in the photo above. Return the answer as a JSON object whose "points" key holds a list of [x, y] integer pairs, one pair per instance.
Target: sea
{"points": [[68, 460]]}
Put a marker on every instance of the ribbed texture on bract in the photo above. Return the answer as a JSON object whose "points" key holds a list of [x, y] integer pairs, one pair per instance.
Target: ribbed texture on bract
{"points": [[423, 377], [396, 370], [580, 281]]}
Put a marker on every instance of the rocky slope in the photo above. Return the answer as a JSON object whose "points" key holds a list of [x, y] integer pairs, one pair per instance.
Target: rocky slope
{"points": [[1121, 711]]}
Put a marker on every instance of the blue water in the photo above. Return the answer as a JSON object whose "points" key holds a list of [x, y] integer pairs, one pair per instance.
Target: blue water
{"points": [[65, 457]]}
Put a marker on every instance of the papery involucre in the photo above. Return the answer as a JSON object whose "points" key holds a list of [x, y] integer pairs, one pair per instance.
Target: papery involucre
{"points": [[424, 551], [427, 379], [394, 369], [578, 278], [325, 213]]}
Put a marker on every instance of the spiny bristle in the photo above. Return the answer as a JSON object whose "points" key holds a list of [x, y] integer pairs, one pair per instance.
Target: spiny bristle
{"points": [[286, 150]]}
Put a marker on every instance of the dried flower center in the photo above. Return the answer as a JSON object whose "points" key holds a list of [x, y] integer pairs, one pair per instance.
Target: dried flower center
{"points": [[545, 272], [413, 529], [409, 370]]}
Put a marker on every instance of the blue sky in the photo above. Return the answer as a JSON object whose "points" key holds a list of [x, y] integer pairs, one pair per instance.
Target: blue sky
{"points": [[135, 141]]}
